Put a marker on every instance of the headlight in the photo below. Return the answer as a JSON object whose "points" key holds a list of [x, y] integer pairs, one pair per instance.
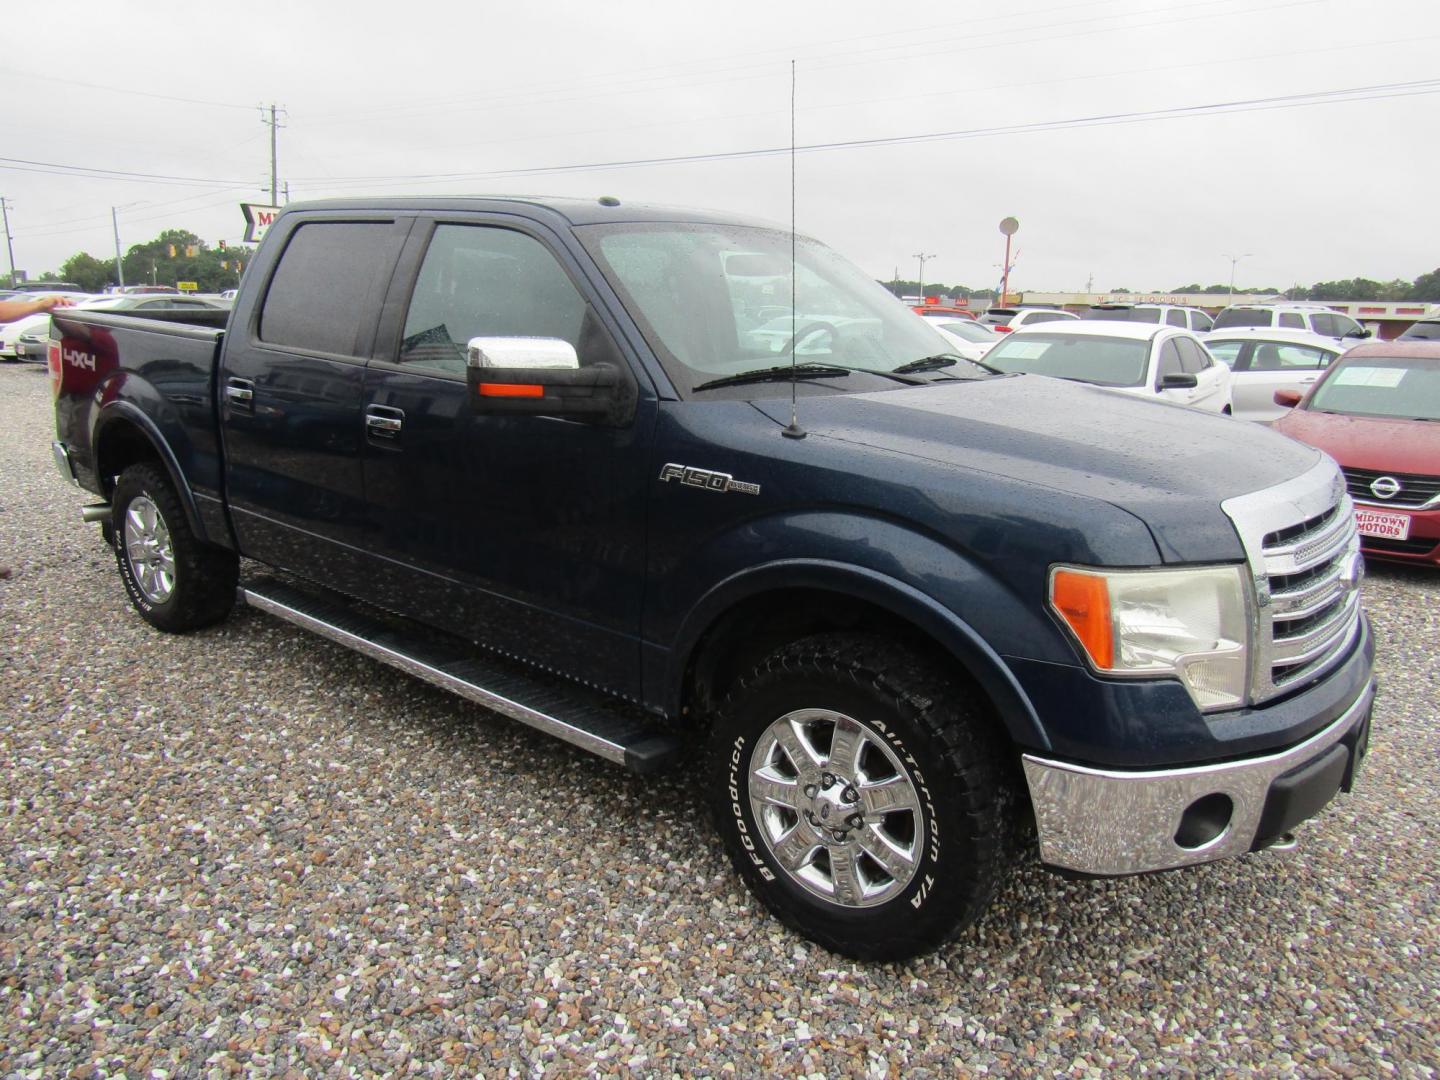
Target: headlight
{"points": [[1191, 624]]}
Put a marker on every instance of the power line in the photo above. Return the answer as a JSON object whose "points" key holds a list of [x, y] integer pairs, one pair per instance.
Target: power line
{"points": [[28, 75], [109, 174], [1322, 97]]}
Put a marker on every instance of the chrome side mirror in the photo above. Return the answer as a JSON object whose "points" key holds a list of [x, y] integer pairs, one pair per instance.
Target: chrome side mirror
{"points": [[547, 354]]}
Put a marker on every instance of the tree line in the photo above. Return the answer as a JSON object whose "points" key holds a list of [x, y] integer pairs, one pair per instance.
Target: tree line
{"points": [[174, 256]]}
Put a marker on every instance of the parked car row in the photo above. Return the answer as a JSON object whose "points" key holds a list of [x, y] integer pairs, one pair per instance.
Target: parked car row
{"points": [[25, 339]]}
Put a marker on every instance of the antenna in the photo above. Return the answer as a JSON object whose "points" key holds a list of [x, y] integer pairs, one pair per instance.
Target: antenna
{"points": [[794, 431]]}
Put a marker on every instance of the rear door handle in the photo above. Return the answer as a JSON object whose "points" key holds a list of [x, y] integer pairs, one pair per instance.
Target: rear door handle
{"points": [[383, 422], [240, 393]]}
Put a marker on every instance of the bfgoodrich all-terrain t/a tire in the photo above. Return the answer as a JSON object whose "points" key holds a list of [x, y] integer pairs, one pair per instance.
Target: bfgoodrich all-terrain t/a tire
{"points": [[175, 582], [861, 795]]}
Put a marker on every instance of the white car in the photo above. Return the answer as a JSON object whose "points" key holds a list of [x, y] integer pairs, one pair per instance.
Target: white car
{"points": [[1158, 362], [1003, 320], [10, 332], [1262, 361], [967, 338]]}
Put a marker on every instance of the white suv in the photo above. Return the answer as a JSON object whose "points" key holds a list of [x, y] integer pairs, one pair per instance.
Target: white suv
{"points": [[1186, 318], [1316, 318]]}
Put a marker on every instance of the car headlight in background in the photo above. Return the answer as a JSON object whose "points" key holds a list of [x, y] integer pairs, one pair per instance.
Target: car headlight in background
{"points": [[1191, 624]]}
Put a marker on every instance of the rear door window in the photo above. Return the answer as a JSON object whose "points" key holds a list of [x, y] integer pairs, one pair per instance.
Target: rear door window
{"points": [[323, 291], [1175, 318], [1243, 317], [1291, 321]]}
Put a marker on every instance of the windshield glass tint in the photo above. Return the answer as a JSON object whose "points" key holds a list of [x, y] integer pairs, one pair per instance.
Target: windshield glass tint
{"points": [[714, 300], [1242, 317], [1134, 314], [1423, 331], [1103, 360], [1401, 387]]}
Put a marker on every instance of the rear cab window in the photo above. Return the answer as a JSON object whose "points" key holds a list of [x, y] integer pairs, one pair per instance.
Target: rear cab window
{"points": [[349, 257]]}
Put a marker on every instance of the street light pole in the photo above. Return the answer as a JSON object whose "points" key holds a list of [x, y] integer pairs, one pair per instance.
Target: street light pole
{"points": [[923, 258], [1233, 260]]}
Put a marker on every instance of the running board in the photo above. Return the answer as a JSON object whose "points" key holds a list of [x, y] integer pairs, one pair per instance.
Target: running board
{"points": [[586, 718]]}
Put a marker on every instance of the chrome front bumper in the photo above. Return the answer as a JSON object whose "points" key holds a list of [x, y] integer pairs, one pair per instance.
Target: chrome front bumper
{"points": [[1097, 821]]}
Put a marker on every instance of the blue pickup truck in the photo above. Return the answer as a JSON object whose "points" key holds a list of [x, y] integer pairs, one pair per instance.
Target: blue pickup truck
{"points": [[672, 489]]}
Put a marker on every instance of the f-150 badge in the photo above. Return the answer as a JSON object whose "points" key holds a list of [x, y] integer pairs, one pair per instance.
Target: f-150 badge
{"points": [[707, 479]]}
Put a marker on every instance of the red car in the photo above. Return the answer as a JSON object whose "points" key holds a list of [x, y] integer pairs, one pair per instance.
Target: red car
{"points": [[1377, 412]]}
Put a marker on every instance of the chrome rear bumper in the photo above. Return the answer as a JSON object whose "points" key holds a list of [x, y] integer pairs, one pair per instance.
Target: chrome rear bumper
{"points": [[63, 462], [1103, 822]]}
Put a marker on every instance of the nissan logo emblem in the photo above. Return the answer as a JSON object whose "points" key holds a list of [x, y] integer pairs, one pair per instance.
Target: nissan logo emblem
{"points": [[1385, 487]]}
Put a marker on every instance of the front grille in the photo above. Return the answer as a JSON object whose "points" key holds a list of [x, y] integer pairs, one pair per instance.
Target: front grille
{"points": [[1303, 551], [1414, 491]]}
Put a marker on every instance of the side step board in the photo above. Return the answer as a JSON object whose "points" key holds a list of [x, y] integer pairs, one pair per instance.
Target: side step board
{"points": [[583, 717]]}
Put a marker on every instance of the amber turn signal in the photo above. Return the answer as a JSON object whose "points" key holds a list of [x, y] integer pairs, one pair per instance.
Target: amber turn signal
{"points": [[1083, 601], [491, 389]]}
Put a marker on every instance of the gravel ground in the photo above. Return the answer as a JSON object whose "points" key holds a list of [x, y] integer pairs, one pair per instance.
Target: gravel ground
{"points": [[251, 851]]}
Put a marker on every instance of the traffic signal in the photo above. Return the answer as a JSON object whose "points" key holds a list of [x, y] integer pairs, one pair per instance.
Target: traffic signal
{"points": [[191, 251], [172, 250]]}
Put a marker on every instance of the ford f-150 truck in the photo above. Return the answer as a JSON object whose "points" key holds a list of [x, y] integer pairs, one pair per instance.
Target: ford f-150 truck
{"points": [[896, 616]]}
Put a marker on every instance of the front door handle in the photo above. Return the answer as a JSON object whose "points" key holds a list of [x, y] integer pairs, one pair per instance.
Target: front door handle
{"points": [[240, 393], [383, 422]]}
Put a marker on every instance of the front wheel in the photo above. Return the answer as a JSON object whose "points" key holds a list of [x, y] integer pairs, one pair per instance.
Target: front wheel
{"points": [[175, 582], [862, 796]]}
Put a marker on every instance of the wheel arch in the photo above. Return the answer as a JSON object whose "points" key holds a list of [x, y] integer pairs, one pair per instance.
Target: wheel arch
{"points": [[749, 614], [125, 436]]}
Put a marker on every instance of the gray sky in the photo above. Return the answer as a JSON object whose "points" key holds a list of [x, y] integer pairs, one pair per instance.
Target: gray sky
{"points": [[398, 99]]}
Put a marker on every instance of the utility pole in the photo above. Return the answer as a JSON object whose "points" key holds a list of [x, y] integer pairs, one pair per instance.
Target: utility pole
{"points": [[274, 124], [924, 258], [1233, 260], [287, 192], [119, 266], [9, 245]]}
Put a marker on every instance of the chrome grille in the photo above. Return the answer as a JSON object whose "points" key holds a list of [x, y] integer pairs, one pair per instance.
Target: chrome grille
{"points": [[1411, 490], [1304, 556]]}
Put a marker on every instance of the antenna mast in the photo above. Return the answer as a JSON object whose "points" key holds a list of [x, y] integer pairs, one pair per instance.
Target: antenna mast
{"points": [[794, 431]]}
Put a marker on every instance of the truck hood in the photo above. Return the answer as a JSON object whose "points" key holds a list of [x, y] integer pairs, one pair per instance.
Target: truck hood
{"points": [[1169, 465]]}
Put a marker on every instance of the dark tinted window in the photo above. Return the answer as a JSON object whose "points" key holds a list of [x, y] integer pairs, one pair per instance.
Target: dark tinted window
{"points": [[1326, 324], [1345, 326], [1123, 314], [1291, 321], [1242, 316], [321, 292], [1200, 322], [1425, 330], [1192, 356], [478, 281], [1045, 316], [1169, 362], [1175, 318]]}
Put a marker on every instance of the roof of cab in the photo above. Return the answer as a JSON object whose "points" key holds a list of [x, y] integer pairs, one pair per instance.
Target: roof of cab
{"points": [[605, 210]]}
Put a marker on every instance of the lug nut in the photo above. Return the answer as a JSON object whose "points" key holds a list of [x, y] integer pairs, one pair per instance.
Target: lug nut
{"points": [[827, 781], [810, 791], [855, 821], [839, 834], [850, 794]]}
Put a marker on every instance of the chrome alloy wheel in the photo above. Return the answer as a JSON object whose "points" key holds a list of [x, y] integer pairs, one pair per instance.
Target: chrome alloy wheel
{"points": [[148, 550], [836, 807]]}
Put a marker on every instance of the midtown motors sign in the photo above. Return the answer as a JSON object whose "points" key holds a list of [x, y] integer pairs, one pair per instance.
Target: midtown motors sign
{"points": [[257, 219]]}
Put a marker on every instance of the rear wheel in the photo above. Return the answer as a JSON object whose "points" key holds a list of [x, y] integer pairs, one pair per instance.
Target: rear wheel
{"points": [[175, 582], [862, 796]]}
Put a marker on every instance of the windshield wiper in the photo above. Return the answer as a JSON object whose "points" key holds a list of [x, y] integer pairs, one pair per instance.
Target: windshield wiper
{"points": [[942, 360], [779, 374]]}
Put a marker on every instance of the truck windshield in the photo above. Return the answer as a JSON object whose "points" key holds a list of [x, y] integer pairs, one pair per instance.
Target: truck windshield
{"points": [[714, 301], [1105, 361]]}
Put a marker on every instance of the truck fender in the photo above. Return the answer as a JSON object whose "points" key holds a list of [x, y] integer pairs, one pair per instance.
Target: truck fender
{"points": [[904, 601], [123, 412]]}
